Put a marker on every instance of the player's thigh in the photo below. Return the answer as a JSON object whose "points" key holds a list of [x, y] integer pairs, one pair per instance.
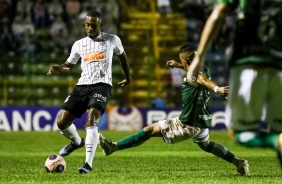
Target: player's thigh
{"points": [[173, 130], [274, 101], [99, 96], [246, 98], [76, 102]]}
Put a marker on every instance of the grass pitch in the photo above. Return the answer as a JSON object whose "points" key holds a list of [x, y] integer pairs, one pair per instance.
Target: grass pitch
{"points": [[22, 157]]}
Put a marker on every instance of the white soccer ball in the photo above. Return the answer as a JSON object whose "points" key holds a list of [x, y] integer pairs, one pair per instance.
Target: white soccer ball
{"points": [[55, 163]]}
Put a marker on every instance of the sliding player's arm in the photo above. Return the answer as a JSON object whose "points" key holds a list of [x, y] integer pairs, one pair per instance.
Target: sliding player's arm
{"points": [[173, 63], [203, 80]]}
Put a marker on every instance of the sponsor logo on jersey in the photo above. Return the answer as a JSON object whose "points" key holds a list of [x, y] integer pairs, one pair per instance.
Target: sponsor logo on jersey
{"points": [[94, 56], [205, 117]]}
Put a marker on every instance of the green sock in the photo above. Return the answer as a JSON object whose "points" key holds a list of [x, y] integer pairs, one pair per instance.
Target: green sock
{"points": [[133, 140], [260, 139], [220, 151]]}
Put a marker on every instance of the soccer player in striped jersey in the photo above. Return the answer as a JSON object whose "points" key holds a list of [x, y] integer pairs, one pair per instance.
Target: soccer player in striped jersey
{"points": [[94, 86], [194, 121], [256, 70]]}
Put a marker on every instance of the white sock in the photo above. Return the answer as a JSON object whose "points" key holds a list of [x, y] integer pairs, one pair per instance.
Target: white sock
{"points": [[72, 134], [91, 143]]}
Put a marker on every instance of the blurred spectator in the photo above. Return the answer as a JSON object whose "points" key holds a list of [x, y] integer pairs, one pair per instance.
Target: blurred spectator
{"points": [[21, 24], [195, 14], [17, 25], [112, 7], [59, 44], [23, 7], [39, 13], [109, 25], [74, 34], [158, 102], [86, 7], [30, 45], [163, 8], [55, 8], [7, 44], [5, 16], [57, 26], [174, 86], [72, 8]]}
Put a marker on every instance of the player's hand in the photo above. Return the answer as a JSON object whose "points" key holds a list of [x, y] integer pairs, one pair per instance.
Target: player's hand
{"points": [[223, 91], [123, 83], [53, 68], [172, 63], [194, 69]]}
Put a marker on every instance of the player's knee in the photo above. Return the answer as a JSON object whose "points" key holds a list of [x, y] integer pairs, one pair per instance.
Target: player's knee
{"points": [[64, 119], [61, 124]]}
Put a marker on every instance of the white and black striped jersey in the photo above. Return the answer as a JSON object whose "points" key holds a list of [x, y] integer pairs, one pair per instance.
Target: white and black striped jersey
{"points": [[96, 57]]}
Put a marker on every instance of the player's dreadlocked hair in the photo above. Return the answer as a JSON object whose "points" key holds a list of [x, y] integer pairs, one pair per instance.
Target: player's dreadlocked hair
{"points": [[187, 47]]}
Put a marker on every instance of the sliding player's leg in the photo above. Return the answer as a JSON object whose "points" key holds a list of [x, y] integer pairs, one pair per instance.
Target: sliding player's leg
{"points": [[219, 150], [171, 130], [133, 140]]}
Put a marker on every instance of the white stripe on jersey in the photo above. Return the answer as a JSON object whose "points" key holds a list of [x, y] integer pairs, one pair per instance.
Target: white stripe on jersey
{"points": [[96, 58]]}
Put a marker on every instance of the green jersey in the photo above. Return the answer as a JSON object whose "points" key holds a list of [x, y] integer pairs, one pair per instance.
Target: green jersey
{"points": [[195, 103], [258, 38]]}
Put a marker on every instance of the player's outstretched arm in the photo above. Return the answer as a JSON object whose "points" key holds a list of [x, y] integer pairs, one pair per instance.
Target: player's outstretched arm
{"points": [[210, 32], [203, 80], [173, 63], [63, 68]]}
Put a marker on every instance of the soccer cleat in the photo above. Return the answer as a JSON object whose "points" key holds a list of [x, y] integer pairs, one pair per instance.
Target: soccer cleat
{"points": [[279, 149], [243, 167], [107, 145], [68, 149], [85, 168]]}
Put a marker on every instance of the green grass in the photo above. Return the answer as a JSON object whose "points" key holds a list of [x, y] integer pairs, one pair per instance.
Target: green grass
{"points": [[22, 157]]}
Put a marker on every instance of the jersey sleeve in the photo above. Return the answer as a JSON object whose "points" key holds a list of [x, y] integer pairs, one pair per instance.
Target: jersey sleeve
{"points": [[118, 48], [74, 55]]}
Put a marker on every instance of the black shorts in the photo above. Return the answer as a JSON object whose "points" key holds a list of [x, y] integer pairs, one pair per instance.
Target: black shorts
{"points": [[84, 97]]}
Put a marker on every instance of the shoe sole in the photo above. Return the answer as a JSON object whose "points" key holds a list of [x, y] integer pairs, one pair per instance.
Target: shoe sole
{"points": [[83, 170]]}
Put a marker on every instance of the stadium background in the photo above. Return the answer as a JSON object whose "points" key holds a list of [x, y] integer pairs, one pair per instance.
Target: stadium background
{"points": [[35, 34]]}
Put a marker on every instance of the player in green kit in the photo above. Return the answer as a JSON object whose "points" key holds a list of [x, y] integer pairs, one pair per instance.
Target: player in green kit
{"points": [[193, 122], [256, 70]]}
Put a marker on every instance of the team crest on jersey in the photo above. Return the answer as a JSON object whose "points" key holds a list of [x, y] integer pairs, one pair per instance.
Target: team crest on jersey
{"points": [[102, 43]]}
